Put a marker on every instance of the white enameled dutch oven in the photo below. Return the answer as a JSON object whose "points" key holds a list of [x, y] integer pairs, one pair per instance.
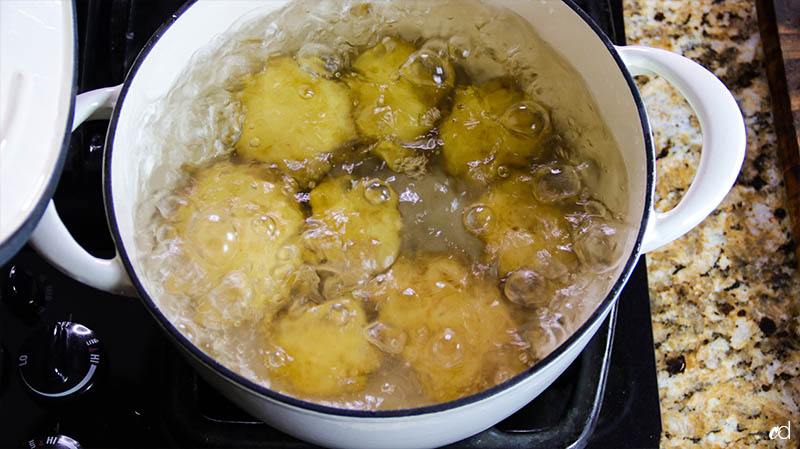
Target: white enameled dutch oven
{"points": [[607, 71]]}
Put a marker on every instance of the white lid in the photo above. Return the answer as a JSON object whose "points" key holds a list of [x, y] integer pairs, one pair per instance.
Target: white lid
{"points": [[37, 79]]}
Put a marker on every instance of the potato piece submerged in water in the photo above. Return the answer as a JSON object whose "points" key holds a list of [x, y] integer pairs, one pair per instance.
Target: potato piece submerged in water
{"points": [[397, 89], [491, 128], [239, 226], [354, 230], [459, 334], [321, 350], [530, 241], [295, 120]]}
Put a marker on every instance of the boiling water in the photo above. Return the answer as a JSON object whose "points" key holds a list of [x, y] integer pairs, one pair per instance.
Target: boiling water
{"points": [[273, 287]]}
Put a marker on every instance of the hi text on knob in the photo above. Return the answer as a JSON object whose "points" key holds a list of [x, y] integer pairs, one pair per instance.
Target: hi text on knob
{"points": [[61, 362]]}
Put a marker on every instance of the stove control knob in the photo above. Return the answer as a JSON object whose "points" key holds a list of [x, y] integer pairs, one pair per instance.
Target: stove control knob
{"points": [[61, 362], [25, 294], [53, 442]]}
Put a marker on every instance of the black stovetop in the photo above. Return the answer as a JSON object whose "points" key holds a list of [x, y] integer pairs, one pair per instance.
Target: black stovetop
{"points": [[149, 397]]}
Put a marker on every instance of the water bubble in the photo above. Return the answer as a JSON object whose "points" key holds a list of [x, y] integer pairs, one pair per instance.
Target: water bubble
{"points": [[545, 337], [553, 183], [304, 283], [377, 192], [385, 337], [254, 142], [526, 288], [339, 313], [501, 375], [459, 47], [437, 46], [265, 224], [477, 218], [502, 171], [527, 119], [213, 236], [389, 44], [447, 349], [548, 266], [305, 91], [169, 205], [228, 301], [277, 358], [598, 247], [166, 232], [426, 68], [321, 60], [288, 189], [595, 208]]}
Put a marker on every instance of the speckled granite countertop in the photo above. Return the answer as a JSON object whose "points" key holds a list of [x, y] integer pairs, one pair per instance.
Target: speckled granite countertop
{"points": [[725, 297]]}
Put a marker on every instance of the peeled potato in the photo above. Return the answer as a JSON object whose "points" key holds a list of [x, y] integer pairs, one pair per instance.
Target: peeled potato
{"points": [[460, 336], [491, 126], [521, 234], [321, 349], [239, 225], [397, 89], [295, 120], [354, 228], [399, 158]]}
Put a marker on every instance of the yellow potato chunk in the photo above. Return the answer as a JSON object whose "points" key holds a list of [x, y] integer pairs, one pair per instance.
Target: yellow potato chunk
{"points": [[461, 337], [522, 234], [397, 88], [491, 126], [321, 350], [239, 226], [294, 120], [354, 230], [399, 158]]}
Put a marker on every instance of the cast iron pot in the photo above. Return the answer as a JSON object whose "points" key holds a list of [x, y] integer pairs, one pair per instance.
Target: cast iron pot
{"points": [[607, 70]]}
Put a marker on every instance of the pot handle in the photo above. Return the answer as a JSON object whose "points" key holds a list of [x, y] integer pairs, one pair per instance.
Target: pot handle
{"points": [[53, 241], [723, 140]]}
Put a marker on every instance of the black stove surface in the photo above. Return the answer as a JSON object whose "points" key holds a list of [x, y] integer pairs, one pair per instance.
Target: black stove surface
{"points": [[145, 395]]}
